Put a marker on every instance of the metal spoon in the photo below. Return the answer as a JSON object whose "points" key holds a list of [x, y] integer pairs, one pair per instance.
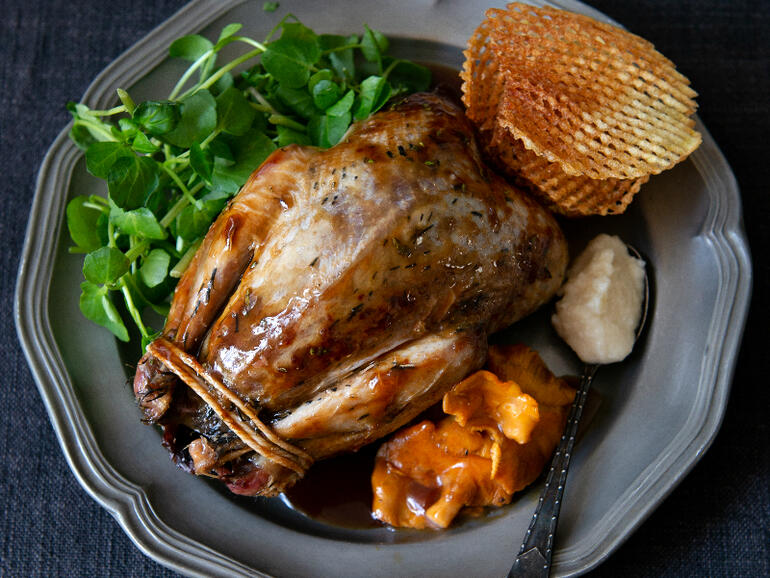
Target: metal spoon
{"points": [[534, 558]]}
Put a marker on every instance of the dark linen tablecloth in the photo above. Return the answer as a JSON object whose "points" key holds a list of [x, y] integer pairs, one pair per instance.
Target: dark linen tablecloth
{"points": [[715, 523]]}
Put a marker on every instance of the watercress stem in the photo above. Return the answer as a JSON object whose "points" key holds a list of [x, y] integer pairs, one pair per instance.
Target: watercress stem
{"points": [[341, 48], [227, 68], [279, 119], [262, 100], [188, 73], [133, 311], [96, 129], [110, 234], [115, 110], [207, 141], [100, 208], [183, 263], [250, 42], [178, 207], [137, 249], [185, 191]]}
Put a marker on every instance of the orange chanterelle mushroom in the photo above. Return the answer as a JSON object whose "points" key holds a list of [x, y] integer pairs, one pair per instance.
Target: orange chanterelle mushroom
{"points": [[501, 428]]}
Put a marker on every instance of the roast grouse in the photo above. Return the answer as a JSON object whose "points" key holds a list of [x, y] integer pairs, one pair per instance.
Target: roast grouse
{"points": [[340, 294]]}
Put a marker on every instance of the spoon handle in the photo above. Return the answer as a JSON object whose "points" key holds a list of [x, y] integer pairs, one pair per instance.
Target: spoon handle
{"points": [[534, 558]]}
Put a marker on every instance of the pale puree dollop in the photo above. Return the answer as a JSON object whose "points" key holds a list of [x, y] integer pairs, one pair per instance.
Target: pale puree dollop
{"points": [[602, 301]]}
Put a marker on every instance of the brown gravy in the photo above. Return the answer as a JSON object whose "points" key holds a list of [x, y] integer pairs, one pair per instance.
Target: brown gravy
{"points": [[338, 490]]}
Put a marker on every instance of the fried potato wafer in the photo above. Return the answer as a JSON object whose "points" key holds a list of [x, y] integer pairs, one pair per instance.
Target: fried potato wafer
{"points": [[593, 98], [568, 195], [561, 193], [578, 111], [483, 86]]}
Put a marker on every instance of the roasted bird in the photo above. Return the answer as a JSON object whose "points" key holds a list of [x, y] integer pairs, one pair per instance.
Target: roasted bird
{"points": [[340, 294]]}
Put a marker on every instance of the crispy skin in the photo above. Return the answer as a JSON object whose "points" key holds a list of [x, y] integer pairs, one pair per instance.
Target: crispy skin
{"points": [[395, 248]]}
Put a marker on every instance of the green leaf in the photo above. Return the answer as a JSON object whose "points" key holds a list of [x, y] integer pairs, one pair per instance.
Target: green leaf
{"points": [[298, 100], [157, 117], [342, 61], [290, 57], [410, 76], [323, 74], [160, 201], [197, 119], [126, 100], [105, 265], [193, 223], [228, 31], [287, 136], [223, 83], [101, 156], [325, 94], [82, 137], [375, 92], [374, 45], [249, 151], [270, 6], [258, 78], [234, 114], [128, 128], [343, 105], [140, 222], [102, 228], [82, 109], [161, 309], [190, 47], [337, 126], [154, 268], [142, 144], [96, 305], [202, 162], [82, 224], [131, 180], [73, 107], [155, 297], [220, 150], [326, 131]]}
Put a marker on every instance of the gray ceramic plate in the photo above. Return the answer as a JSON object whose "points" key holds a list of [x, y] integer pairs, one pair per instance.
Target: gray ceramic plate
{"points": [[660, 409]]}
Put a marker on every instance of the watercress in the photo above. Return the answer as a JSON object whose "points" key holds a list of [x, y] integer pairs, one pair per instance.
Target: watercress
{"points": [[171, 164]]}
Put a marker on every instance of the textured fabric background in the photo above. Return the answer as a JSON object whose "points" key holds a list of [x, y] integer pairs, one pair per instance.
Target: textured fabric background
{"points": [[716, 523]]}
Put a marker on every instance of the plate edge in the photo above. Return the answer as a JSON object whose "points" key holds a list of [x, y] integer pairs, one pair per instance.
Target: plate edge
{"points": [[127, 502], [734, 238], [723, 229]]}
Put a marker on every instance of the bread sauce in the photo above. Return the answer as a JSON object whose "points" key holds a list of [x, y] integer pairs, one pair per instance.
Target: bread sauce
{"points": [[601, 301]]}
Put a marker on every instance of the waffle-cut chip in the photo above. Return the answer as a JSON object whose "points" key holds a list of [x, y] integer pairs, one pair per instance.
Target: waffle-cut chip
{"points": [[598, 101], [568, 195], [483, 86]]}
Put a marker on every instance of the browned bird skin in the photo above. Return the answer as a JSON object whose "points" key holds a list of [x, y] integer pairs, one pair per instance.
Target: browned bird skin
{"points": [[396, 244]]}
